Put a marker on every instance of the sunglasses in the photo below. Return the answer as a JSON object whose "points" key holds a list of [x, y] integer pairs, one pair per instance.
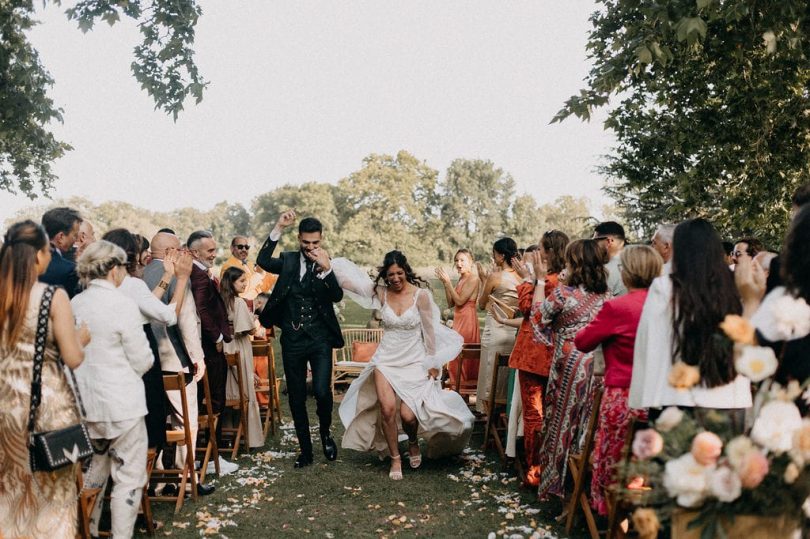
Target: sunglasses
{"points": [[242, 247]]}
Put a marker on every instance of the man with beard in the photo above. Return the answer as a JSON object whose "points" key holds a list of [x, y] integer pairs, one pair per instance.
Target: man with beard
{"points": [[301, 306]]}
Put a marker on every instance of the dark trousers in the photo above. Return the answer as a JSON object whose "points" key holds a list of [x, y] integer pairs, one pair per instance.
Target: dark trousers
{"points": [[296, 353], [217, 369]]}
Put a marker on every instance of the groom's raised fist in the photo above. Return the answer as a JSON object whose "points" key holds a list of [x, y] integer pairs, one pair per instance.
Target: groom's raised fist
{"points": [[286, 219]]}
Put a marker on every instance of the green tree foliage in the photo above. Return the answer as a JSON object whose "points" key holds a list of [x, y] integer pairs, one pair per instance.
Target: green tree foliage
{"points": [[163, 65], [712, 113], [388, 204], [476, 206]]}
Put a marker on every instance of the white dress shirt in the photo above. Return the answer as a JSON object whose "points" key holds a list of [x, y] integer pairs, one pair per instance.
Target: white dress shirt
{"points": [[117, 356]]}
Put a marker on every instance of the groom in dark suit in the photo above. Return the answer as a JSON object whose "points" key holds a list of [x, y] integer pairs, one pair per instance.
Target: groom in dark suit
{"points": [[301, 306]]}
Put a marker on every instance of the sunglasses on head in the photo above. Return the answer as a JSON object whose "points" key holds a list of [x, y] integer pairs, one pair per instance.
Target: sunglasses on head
{"points": [[241, 246]]}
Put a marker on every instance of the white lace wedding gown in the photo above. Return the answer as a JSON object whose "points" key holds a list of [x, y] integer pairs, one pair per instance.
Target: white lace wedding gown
{"points": [[411, 343]]}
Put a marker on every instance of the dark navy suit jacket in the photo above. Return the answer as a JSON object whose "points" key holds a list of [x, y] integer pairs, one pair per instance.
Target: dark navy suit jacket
{"points": [[61, 272]]}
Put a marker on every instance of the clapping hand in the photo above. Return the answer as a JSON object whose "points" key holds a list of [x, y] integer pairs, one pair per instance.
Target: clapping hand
{"points": [[521, 267], [750, 279], [483, 272], [182, 264], [433, 373], [169, 260], [442, 275], [540, 267]]}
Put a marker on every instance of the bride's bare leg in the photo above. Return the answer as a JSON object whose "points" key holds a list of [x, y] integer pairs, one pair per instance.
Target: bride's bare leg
{"points": [[388, 409], [411, 427]]}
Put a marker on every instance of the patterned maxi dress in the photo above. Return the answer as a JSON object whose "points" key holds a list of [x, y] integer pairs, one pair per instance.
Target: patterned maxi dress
{"points": [[42, 505], [569, 394]]}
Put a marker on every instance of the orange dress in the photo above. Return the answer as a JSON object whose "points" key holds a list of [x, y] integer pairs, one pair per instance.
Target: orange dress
{"points": [[465, 323]]}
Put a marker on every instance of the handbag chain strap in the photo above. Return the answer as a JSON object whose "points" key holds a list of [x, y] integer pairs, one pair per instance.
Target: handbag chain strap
{"points": [[39, 355]]}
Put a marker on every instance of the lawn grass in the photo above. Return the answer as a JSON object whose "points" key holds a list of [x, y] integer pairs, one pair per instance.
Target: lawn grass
{"points": [[466, 496]]}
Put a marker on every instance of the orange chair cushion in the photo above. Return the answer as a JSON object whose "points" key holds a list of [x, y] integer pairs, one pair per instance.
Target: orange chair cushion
{"points": [[362, 352]]}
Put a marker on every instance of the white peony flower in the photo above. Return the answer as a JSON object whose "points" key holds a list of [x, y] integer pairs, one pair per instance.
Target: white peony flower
{"points": [[769, 40], [669, 419], [736, 450], [791, 317], [725, 484], [756, 362], [774, 427], [686, 480]]}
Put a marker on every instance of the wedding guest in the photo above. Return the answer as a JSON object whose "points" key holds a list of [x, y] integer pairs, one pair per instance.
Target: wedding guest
{"points": [[62, 227], [556, 319], [728, 249], [750, 246], [179, 348], [462, 299], [801, 196], [234, 282], [152, 310], [87, 235], [500, 288], [213, 317], [533, 359], [240, 248], [39, 504], [792, 348], [679, 325], [144, 254], [611, 238], [662, 243], [111, 385], [615, 329]]}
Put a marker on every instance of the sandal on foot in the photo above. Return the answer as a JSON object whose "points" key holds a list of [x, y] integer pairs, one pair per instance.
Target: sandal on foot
{"points": [[414, 460], [395, 475]]}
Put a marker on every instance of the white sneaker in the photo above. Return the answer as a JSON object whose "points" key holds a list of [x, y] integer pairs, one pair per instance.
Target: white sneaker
{"points": [[225, 467]]}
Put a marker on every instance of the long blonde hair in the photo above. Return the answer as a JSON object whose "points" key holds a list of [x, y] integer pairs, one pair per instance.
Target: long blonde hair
{"points": [[18, 260]]}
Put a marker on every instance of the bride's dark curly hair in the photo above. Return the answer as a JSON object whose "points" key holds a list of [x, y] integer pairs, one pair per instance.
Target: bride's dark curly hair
{"points": [[398, 258]]}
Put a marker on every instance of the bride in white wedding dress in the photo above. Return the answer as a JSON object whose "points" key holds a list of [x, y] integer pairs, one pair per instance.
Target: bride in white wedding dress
{"points": [[402, 376]]}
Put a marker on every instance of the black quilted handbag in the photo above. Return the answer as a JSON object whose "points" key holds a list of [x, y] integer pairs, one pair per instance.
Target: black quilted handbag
{"points": [[54, 449]]}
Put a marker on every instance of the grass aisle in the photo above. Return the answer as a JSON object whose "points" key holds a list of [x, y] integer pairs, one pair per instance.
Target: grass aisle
{"points": [[353, 497]]}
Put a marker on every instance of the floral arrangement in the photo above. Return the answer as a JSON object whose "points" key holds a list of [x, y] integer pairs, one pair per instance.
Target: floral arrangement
{"points": [[706, 461]]}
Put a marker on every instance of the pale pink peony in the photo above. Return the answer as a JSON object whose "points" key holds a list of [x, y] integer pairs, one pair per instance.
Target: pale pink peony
{"points": [[753, 469], [647, 443], [706, 448]]}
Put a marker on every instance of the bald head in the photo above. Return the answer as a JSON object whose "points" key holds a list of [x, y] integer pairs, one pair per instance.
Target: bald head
{"points": [[163, 241]]}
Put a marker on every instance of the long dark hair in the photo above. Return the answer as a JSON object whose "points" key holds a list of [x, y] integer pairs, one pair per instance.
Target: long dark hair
{"points": [[226, 285], [585, 262], [796, 255], [18, 259], [506, 247], [126, 240], [554, 243], [703, 293], [398, 258]]}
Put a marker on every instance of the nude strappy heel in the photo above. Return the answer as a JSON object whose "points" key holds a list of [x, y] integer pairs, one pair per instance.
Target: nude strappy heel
{"points": [[414, 460], [396, 475]]}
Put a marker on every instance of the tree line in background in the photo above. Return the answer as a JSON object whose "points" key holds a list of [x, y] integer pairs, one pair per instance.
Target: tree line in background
{"points": [[390, 202]]}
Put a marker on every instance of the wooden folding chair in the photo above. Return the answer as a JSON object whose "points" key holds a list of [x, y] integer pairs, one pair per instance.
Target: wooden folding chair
{"points": [[87, 499], [146, 500], [178, 439], [207, 425], [466, 388], [343, 368], [239, 404], [579, 466], [266, 387], [496, 422]]}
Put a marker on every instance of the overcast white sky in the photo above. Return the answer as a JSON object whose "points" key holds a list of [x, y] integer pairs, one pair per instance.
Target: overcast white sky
{"points": [[303, 90]]}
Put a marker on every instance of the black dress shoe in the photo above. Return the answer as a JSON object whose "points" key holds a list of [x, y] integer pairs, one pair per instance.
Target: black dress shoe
{"points": [[169, 490], [329, 447], [302, 460], [204, 489]]}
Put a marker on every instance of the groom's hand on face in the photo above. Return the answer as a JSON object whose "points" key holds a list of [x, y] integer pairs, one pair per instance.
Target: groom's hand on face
{"points": [[320, 257]]}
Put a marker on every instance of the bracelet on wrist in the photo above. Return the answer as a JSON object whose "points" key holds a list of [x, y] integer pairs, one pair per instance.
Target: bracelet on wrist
{"points": [[163, 284]]}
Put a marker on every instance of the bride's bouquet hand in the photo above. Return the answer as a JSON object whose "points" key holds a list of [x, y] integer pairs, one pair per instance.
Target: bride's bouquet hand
{"points": [[433, 373]]}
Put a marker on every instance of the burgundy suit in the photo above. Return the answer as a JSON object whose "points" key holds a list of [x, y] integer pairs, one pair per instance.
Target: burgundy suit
{"points": [[213, 324]]}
